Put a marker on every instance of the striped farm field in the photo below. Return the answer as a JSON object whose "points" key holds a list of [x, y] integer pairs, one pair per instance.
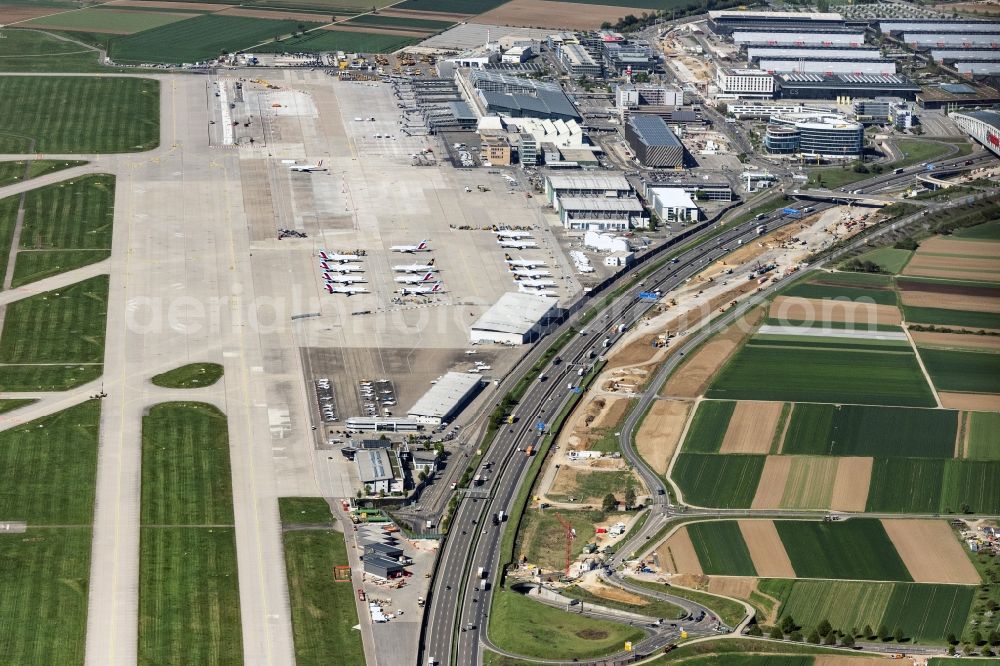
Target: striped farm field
{"points": [[857, 549], [721, 548], [967, 371], [906, 485], [852, 279], [339, 40], [929, 612], [813, 482], [951, 318], [708, 426], [862, 294], [118, 21], [983, 435], [725, 481], [972, 485], [810, 482]]}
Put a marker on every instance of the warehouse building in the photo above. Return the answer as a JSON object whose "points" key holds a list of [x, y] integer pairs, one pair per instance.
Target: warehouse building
{"points": [[381, 567], [978, 68], [446, 399], [653, 143], [755, 53], [983, 126], [827, 66], [965, 55], [896, 26], [818, 134], [672, 205], [835, 86], [724, 22], [744, 83], [927, 40], [955, 96], [601, 214], [578, 62], [607, 185], [515, 319], [375, 470], [846, 37]]}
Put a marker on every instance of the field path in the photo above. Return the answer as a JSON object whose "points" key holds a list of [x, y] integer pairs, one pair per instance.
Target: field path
{"points": [[920, 362]]}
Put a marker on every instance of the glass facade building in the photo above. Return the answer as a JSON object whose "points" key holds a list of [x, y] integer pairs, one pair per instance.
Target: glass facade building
{"points": [[826, 135]]}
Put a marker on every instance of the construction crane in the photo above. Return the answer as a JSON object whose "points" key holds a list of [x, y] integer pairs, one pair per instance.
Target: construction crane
{"points": [[570, 536]]}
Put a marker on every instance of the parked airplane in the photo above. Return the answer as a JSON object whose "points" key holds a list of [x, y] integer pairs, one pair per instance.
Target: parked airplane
{"points": [[420, 247], [537, 291], [415, 279], [345, 289], [308, 168], [521, 262], [538, 284], [339, 258], [518, 244], [512, 233], [530, 272], [343, 279], [436, 288], [415, 268], [341, 268]]}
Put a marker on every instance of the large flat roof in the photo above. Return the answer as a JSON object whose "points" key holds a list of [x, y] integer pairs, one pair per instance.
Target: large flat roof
{"points": [[608, 182], [991, 118], [515, 313], [673, 197], [630, 204], [448, 393], [809, 16], [373, 465], [653, 131]]}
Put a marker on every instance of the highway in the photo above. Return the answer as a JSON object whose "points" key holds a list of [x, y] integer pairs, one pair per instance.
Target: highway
{"points": [[473, 540]]}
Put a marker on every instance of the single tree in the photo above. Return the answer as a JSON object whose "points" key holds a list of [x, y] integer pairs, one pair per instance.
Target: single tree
{"points": [[966, 649], [847, 641], [994, 638], [898, 635], [754, 630], [777, 633], [951, 639], [824, 627], [882, 633], [977, 638], [813, 637], [788, 624], [867, 631], [629, 497], [796, 636], [831, 639], [610, 503]]}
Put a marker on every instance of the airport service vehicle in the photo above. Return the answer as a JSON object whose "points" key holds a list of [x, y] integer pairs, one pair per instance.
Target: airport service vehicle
{"points": [[419, 247], [308, 168], [511, 233], [347, 290], [333, 267], [530, 273], [337, 257], [415, 290], [521, 262], [343, 279], [415, 279], [415, 268], [525, 244]]}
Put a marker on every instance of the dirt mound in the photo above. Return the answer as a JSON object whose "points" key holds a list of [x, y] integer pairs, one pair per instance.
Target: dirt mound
{"points": [[592, 634]]}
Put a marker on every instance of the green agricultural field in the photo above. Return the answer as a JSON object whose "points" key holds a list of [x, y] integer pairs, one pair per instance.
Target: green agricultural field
{"points": [[971, 485], [123, 21], [989, 231], [185, 466], [984, 436], [33, 51], [339, 40], [928, 612], [724, 481], [51, 329], [814, 290], [708, 427], [879, 378], [844, 604], [452, 6], [831, 343], [14, 171], [324, 611], [8, 220], [953, 318], [813, 324], [43, 599], [975, 371], [906, 485], [721, 548], [524, 626], [200, 38], [10, 404], [377, 20], [48, 468], [889, 259], [857, 549], [651, 608], [339, 7], [849, 279], [858, 430], [78, 114], [304, 511], [192, 375], [189, 602]]}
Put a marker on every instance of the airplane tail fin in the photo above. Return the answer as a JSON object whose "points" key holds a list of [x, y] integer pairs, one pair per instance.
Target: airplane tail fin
{"points": [[428, 277], [320, 163], [437, 287], [507, 257], [423, 245], [329, 288], [431, 262]]}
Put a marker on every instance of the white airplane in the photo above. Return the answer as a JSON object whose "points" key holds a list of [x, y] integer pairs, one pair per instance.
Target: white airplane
{"points": [[420, 247], [341, 268], [345, 289], [343, 279], [538, 284], [416, 268], [415, 279], [308, 168], [511, 233], [530, 272], [518, 244], [536, 291], [436, 288], [521, 262], [339, 258]]}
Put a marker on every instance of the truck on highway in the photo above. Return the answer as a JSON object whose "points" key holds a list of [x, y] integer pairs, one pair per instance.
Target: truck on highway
{"points": [[481, 572], [607, 342], [484, 585], [501, 516], [761, 229], [528, 450]]}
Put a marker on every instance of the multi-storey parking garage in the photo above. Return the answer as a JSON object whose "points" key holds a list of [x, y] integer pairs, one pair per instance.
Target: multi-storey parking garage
{"points": [[983, 126]]}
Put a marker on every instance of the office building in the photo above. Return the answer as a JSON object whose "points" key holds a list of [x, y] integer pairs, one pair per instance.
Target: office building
{"points": [[577, 62], [873, 111], [653, 143], [744, 83], [632, 57], [764, 110], [517, 55], [527, 149], [983, 126], [632, 95], [817, 134], [839, 86], [496, 150], [672, 205]]}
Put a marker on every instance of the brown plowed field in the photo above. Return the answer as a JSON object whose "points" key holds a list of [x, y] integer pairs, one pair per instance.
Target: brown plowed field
{"points": [[973, 402], [954, 274], [660, 432], [819, 310], [612, 412], [751, 428], [766, 549], [340, 27], [545, 14], [16, 13], [732, 586], [166, 4], [853, 660], [957, 268], [943, 245], [850, 488], [948, 288], [956, 340], [771, 486], [276, 14], [931, 552], [929, 299], [693, 377], [677, 554]]}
